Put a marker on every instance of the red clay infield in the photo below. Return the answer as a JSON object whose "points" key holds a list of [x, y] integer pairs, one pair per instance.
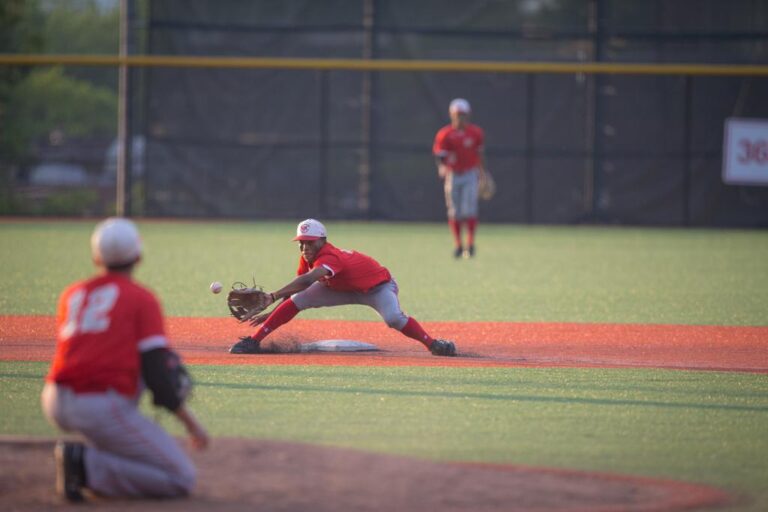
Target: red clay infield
{"points": [[248, 474], [205, 341]]}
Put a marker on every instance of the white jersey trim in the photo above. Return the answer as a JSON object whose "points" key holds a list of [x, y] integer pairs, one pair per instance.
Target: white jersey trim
{"points": [[152, 342], [329, 269]]}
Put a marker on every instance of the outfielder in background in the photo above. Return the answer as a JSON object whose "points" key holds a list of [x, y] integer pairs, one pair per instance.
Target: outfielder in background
{"points": [[110, 339], [328, 276], [458, 150]]}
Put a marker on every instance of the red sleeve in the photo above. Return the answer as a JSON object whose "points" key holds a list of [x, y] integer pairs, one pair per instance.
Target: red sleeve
{"points": [[329, 261], [439, 147]]}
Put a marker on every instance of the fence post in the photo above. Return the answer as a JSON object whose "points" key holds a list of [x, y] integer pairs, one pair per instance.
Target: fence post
{"points": [[367, 109], [324, 125], [124, 115], [599, 12], [530, 94], [687, 113]]}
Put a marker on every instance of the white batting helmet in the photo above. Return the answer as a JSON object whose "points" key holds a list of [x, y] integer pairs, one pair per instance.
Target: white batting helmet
{"points": [[115, 241], [460, 105]]}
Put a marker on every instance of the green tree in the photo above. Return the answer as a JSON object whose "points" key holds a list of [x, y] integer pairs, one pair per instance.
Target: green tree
{"points": [[20, 32], [78, 102], [83, 27], [47, 99]]}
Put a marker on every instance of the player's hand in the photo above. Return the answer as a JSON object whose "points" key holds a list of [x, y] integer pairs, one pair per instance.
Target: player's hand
{"points": [[442, 170], [259, 319], [198, 437]]}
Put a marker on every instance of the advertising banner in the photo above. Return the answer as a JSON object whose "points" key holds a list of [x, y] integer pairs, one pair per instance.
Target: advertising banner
{"points": [[745, 152]]}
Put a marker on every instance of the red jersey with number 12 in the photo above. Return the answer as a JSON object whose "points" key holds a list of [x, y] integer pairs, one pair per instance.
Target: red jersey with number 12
{"points": [[460, 148], [102, 326], [351, 271]]}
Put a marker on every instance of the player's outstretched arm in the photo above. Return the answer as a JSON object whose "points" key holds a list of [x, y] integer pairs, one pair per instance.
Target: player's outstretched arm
{"points": [[301, 283]]}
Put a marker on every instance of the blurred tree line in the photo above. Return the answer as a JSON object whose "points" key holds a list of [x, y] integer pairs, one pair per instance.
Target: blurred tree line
{"points": [[40, 105]]}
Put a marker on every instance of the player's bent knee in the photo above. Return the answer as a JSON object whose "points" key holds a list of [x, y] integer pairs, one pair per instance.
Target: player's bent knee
{"points": [[396, 321]]}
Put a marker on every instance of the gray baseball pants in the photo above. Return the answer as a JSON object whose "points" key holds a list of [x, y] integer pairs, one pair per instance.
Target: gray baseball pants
{"points": [[461, 194], [383, 298], [127, 455]]}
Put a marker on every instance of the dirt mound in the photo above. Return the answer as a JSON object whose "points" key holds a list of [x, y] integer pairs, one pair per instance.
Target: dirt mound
{"points": [[252, 475]]}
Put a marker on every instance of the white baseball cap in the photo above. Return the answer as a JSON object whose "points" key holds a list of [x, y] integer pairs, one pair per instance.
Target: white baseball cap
{"points": [[460, 105], [310, 229], [115, 241]]}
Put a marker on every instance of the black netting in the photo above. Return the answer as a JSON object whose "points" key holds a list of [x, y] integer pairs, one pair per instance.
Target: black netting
{"points": [[346, 144]]}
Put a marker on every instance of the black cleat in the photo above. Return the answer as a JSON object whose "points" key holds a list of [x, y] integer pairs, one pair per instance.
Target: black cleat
{"points": [[442, 348], [246, 345], [70, 470], [458, 252]]}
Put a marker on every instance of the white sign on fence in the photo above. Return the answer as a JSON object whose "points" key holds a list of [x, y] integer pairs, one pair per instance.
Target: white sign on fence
{"points": [[745, 151]]}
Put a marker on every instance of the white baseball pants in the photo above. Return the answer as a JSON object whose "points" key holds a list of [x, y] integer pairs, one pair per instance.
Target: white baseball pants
{"points": [[461, 194], [127, 454], [383, 298]]}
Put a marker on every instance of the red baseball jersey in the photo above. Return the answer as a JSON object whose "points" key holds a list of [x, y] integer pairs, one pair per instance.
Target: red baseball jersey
{"points": [[459, 148], [102, 326], [351, 271]]}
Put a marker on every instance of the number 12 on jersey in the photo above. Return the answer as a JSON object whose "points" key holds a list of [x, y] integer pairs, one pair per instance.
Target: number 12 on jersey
{"points": [[89, 312]]}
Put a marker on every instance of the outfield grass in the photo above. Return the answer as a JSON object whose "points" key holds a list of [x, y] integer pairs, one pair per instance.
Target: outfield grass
{"points": [[706, 427], [551, 274]]}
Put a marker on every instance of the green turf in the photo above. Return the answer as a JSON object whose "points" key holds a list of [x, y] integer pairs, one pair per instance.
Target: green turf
{"points": [[706, 427], [565, 274]]}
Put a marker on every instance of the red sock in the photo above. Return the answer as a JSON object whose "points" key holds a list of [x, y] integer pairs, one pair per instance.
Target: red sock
{"points": [[455, 226], [471, 226], [414, 330], [281, 315]]}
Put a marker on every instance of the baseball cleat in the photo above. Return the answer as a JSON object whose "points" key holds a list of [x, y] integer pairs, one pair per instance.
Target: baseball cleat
{"points": [[442, 348], [458, 252], [70, 470], [246, 345]]}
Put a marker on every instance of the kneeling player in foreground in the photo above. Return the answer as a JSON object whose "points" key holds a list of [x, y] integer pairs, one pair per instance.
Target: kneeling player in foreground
{"points": [[328, 276], [110, 341]]}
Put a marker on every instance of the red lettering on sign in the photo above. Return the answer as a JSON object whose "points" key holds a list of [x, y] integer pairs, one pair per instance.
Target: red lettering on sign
{"points": [[753, 151]]}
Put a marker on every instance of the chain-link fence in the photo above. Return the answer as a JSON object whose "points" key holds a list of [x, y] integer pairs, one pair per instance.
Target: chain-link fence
{"points": [[611, 147]]}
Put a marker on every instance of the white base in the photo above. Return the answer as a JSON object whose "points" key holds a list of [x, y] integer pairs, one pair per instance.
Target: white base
{"points": [[338, 346]]}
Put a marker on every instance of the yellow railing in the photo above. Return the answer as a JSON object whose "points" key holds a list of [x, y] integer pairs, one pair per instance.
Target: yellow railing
{"points": [[385, 65]]}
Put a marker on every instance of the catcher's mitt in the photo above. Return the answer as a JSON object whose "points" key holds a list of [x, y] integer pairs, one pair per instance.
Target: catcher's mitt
{"points": [[487, 186], [246, 302]]}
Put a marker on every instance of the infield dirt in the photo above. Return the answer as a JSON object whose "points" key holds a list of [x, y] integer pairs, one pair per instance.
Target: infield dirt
{"points": [[206, 340]]}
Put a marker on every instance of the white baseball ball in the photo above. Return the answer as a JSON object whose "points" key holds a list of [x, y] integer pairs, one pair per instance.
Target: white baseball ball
{"points": [[216, 287]]}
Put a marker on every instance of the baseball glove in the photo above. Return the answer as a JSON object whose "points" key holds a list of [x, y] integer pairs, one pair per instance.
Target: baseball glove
{"points": [[246, 302], [487, 186]]}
